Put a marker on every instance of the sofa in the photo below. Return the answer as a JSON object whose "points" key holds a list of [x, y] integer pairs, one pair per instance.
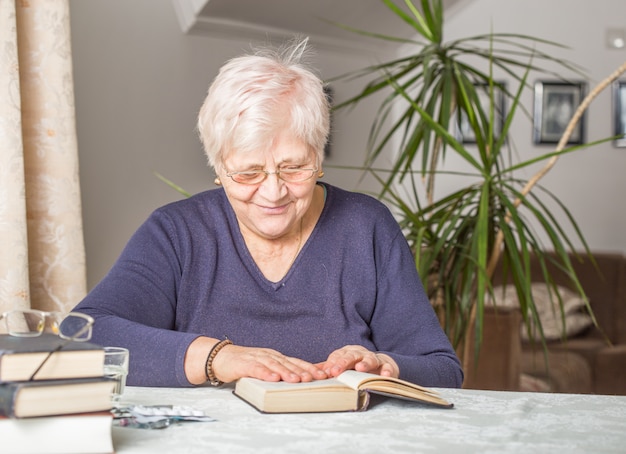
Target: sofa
{"points": [[590, 359]]}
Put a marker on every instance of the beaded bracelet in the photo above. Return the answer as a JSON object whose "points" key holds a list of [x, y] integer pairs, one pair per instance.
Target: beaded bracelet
{"points": [[208, 367]]}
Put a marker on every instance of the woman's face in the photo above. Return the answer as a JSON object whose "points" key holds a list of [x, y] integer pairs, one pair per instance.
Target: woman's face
{"points": [[272, 208]]}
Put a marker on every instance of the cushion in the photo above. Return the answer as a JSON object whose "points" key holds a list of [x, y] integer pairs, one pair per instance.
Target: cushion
{"points": [[577, 319], [528, 383], [563, 372]]}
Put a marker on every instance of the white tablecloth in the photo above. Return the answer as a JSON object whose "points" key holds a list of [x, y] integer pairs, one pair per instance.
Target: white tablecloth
{"points": [[482, 421]]}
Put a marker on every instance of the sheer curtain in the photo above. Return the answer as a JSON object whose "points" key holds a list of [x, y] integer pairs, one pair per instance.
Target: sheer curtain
{"points": [[42, 257]]}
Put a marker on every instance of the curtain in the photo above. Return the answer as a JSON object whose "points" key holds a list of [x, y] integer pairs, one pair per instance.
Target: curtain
{"points": [[42, 256]]}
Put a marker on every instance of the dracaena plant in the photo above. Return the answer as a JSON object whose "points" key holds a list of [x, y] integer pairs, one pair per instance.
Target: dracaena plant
{"points": [[459, 237]]}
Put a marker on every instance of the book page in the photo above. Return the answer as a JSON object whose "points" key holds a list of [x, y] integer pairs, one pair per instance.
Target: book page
{"points": [[282, 397], [394, 387], [353, 378], [282, 386]]}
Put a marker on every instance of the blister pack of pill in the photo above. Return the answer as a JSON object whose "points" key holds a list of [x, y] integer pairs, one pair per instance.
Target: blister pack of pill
{"points": [[156, 416]]}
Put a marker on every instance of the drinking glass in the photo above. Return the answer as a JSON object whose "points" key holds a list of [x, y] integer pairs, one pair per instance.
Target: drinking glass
{"points": [[116, 367]]}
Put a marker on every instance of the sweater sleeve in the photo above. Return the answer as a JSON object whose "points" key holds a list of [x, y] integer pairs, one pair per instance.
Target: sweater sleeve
{"points": [[404, 324], [135, 306]]}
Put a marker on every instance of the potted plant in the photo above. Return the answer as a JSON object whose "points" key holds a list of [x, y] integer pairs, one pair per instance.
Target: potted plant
{"points": [[459, 238]]}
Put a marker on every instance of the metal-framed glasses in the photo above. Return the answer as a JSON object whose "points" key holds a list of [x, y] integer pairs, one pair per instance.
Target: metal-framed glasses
{"points": [[74, 326], [288, 174]]}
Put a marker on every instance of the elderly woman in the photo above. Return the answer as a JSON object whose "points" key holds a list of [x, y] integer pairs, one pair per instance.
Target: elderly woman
{"points": [[275, 275]]}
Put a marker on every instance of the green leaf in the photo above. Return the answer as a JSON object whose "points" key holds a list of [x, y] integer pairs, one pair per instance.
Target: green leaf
{"points": [[172, 185]]}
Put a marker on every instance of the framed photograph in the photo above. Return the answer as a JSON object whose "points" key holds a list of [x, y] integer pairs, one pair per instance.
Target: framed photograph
{"points": [[555, 104], [619, 106], [465, 134]]}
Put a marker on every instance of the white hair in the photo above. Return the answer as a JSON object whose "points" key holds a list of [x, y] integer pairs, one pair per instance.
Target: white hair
{"points": [[256, 96]]}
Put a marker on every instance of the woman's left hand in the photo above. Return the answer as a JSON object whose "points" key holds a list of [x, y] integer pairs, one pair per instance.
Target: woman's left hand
{"points": [[360, 359]]}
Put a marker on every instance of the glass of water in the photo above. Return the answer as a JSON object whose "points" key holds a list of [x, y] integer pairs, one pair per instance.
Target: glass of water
{"points": [[116, 367]]}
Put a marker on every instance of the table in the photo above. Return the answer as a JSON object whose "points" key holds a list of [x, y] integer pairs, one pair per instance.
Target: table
{"points": [[482, 421]]}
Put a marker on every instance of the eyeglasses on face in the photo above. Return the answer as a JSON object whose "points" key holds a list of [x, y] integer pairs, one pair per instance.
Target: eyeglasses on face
{"points": [[288, 174]]}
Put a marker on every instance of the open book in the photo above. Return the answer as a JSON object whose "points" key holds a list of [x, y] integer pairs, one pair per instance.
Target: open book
{"points": [[350, 391]]}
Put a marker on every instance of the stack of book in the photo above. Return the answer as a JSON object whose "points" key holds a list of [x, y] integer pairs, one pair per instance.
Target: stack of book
{"points": [[65, 408]]}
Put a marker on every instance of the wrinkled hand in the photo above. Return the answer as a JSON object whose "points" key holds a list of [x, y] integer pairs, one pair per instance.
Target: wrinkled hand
{"points": [[234, 362], [360, 359]]}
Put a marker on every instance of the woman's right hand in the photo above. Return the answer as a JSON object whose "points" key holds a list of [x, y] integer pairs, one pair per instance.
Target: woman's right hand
{"points": [[234, 361]]}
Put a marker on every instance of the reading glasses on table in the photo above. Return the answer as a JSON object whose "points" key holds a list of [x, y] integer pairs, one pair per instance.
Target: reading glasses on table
{"points": [[74, 326]]}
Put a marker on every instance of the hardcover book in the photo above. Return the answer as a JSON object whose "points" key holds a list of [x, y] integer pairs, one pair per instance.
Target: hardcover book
{"points": [[350, 391], [55, 397], [20, 357], [88, 433]]}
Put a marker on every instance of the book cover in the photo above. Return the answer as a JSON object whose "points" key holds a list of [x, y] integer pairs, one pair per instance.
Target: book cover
{"points": [[88, 433], [55, 397], [350, 391], [20, 357]]}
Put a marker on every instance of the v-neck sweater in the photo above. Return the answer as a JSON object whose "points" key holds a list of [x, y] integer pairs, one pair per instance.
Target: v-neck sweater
{"points": [[186, 272]]}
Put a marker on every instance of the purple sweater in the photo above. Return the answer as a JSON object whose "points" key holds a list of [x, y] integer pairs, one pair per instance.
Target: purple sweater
{"points": [[186, 272]]}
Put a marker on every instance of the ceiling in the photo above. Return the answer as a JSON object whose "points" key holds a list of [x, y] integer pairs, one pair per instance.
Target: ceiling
{"points": [[260, 19]]}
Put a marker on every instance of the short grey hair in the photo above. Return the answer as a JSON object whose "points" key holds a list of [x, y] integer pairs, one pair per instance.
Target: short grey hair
{"points": [[256, 96]]}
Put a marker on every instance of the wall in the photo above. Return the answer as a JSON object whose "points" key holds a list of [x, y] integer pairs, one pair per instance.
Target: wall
{"points": [[140, 81], [589, 182]]}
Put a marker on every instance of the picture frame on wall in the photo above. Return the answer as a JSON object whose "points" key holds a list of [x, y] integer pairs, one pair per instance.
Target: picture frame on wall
{"points": [[619, 113], [554, 106], [464, 132]]}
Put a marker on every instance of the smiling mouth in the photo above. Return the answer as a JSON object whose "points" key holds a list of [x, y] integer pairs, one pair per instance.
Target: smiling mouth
{"points": [[274, 210]]}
